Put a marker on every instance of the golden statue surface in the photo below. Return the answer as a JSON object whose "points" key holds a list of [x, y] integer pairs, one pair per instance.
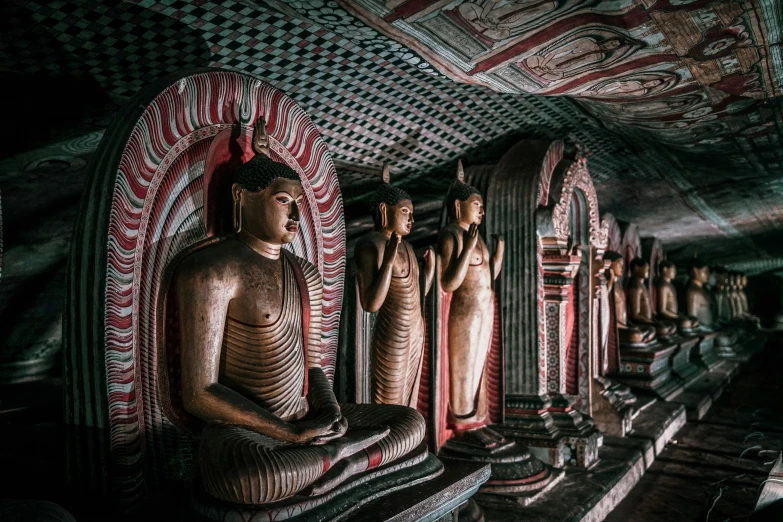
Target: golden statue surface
{"points": [[250, 330]]}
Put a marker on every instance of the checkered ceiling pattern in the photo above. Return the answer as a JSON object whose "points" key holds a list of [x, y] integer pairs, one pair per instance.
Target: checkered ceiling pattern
{"points": [[375, 100]]}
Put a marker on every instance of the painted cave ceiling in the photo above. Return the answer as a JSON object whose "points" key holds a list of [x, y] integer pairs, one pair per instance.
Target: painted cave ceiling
{"points": [[677, 102]]}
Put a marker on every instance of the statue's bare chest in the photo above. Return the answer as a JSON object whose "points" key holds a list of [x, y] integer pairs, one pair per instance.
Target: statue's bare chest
{"points": [[259, 298]]}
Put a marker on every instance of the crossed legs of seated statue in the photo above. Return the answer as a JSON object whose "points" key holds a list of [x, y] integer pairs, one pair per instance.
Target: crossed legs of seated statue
{"points": [[249, 321]]}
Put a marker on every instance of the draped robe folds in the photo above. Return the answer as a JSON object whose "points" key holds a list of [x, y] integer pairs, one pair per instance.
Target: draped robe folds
{"points": [[398, 339], [242, 466]]}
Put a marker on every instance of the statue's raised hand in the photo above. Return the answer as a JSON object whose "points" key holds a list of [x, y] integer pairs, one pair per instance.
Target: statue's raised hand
{"points": [[470, 238], [500, 245], [390, 252]]}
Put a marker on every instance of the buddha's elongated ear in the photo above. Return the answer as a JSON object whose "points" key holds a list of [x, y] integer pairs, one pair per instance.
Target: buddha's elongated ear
{"points": [[456, 209], [382, 207]]}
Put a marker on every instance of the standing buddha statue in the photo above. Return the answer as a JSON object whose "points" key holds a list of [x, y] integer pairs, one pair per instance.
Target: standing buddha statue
{"points": [[468, 273], [388, 283]]}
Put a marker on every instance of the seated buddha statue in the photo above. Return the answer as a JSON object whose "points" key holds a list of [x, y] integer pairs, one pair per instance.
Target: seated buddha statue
{"points": [[699, 305], [628, 333], [724, 306], [639, 302], [250, 326], [388, 283], [667, 300]]}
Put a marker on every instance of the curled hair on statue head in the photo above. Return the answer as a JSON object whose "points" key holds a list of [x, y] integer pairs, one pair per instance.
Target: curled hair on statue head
{"points": [[638, 262], [386, 193], [665, 264], [612, 256], [261, 171]]}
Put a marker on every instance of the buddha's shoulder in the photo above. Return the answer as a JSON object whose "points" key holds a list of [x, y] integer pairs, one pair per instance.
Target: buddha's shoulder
{"points": [[213, 257], [373, 241], [451, 232]]}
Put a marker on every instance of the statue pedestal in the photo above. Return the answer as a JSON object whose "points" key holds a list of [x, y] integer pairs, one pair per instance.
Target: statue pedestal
{"points": [[613, 407], [705, 353], [554, 431], [648, 369], [682, 364], [420, 483]]}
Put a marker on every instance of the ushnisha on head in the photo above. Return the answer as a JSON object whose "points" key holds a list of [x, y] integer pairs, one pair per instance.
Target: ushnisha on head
{"points": [[391, 208], [267, 194], [464, 202]]}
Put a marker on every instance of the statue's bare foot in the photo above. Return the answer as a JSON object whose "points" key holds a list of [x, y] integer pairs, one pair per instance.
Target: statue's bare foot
{"points": [[339, 473], [353, 442]]}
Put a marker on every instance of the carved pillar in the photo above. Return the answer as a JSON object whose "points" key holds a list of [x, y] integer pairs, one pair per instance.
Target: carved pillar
{"points": [[528, 197]]}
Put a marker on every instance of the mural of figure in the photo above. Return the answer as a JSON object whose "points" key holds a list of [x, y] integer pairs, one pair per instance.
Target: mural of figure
{"points": [[388, 277], [572, 58], [496, 19], [468, 272], [628, 88]]}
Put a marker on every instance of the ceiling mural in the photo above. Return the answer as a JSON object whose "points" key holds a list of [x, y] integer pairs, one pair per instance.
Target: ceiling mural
{"points": [[644, 117], [694, 73]]}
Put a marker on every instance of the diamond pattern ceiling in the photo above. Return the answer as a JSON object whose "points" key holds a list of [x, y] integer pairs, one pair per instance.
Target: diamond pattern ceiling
{"points": [[694, 162]]}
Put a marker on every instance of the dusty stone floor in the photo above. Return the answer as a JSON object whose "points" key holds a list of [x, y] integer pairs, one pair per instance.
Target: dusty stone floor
{"points": [[712, 469]]}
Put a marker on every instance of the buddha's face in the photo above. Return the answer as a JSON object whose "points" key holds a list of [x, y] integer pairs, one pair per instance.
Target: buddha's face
{"points": [[642, 271], [272, 214], [669, 272], [743, 281], [399, 217], [470, 211], [618, 267], [701, 274]]}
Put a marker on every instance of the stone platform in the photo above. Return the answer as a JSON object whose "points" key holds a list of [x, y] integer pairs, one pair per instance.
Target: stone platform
{"points": [[700, 394], [437, 500], [648, 369], [590, 494]]}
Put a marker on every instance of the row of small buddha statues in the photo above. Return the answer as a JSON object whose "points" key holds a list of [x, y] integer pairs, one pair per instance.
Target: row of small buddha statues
{"points": [[639, 324], [250, 315]]}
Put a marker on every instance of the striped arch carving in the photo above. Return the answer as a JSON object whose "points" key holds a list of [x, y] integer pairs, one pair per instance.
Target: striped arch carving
{"points": [[151, 165], [614, 237], [631, 245]]}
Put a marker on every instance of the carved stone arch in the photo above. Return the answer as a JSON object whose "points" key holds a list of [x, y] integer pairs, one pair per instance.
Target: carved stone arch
{"points": [[150, 197], [571, 175]]}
